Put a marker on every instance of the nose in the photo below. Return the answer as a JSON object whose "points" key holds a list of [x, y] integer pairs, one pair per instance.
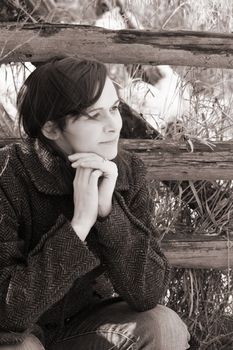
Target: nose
{"points": [[112, 122]]}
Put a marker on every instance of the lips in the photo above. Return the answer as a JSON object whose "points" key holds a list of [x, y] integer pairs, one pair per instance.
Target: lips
{"points": [[111, 141]]}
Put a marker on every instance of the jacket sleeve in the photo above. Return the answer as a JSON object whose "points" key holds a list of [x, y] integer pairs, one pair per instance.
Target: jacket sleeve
{"points": [[29, 286], [136, 265]]}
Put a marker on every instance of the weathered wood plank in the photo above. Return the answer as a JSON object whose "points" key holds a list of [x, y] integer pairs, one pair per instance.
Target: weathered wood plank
{"points": [[174, 161], [8, 140], [199, 252], [177, 161], [39, 42]]}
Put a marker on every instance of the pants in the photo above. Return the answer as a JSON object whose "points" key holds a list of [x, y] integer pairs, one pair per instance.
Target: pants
{"points": [[117, 326]]}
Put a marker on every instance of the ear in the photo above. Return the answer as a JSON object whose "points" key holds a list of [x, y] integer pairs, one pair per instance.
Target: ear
{"points": [[51, 130]]}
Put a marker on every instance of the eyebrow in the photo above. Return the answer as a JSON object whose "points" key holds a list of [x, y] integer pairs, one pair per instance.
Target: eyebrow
{"points": [[96, 109]]}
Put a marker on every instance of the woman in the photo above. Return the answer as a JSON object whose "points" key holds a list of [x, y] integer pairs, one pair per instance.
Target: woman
{"points": [[80, 264]]}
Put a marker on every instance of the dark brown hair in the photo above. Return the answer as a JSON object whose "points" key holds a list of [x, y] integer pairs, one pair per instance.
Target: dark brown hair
{"points": [[58, 89]]}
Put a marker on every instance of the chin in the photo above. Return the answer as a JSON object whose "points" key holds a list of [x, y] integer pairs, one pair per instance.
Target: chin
{"points": [[111, 154]]}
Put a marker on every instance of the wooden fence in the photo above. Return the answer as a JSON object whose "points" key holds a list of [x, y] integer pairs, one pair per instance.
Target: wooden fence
{"points": [[165, 160], [39, 42]]}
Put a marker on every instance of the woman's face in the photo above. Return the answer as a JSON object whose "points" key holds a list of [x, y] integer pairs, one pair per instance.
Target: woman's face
{"points": [[99, 132]]}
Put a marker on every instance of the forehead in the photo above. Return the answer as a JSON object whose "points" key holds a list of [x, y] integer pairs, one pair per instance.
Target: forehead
{"points": [[108, 96]]}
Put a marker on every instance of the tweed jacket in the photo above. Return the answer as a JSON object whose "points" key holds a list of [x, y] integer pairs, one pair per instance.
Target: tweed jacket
{"points": [[47, 274]]}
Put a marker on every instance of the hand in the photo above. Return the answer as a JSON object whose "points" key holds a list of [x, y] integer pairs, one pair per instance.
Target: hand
{"points": [[85, 200], [109, 176]]}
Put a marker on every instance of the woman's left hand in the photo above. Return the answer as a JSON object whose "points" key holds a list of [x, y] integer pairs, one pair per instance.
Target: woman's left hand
{"points": [[108, 181]]}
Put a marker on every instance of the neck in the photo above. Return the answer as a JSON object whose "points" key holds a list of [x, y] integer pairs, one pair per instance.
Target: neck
{"points": [[53, 148]]}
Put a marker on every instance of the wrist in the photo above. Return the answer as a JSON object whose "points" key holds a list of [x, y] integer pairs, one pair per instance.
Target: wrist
{"points": [[104, 212], [80, 229]]}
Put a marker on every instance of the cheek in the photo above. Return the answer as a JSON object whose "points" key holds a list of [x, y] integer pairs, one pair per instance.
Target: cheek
{"points": [[84, 138], [120, 121]]}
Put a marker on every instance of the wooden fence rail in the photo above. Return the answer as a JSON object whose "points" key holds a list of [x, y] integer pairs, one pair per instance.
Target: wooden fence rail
{"points": [[169, 160], [39, 42], [190, 251], [198, 251]]}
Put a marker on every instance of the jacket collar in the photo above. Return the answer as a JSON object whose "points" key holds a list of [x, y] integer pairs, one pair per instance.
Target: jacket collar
{"points": [[47, 168]]}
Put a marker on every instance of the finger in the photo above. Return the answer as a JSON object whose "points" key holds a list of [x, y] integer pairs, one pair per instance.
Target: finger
{"points": [[77, 173], [80, 161], [94, 164], [94, 177], [108, 168], [101, 164], [76, 156], [82, 176]]}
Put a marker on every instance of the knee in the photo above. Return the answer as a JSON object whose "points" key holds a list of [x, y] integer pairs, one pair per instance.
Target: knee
{"points": [[31, 342], [163, 329]]}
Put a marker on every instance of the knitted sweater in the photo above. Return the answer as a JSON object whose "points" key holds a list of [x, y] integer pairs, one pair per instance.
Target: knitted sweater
{"points": [[47, 274]]}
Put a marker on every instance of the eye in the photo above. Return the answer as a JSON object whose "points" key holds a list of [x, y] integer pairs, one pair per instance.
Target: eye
{"points": [[115, 108], [94, 116], [88, 116]]}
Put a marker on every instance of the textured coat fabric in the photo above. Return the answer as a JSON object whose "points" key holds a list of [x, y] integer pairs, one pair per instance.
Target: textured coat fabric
{"points": [[47, 274]]}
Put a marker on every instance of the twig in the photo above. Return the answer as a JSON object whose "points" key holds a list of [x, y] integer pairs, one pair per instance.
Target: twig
{"points": [[173, 13]]}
